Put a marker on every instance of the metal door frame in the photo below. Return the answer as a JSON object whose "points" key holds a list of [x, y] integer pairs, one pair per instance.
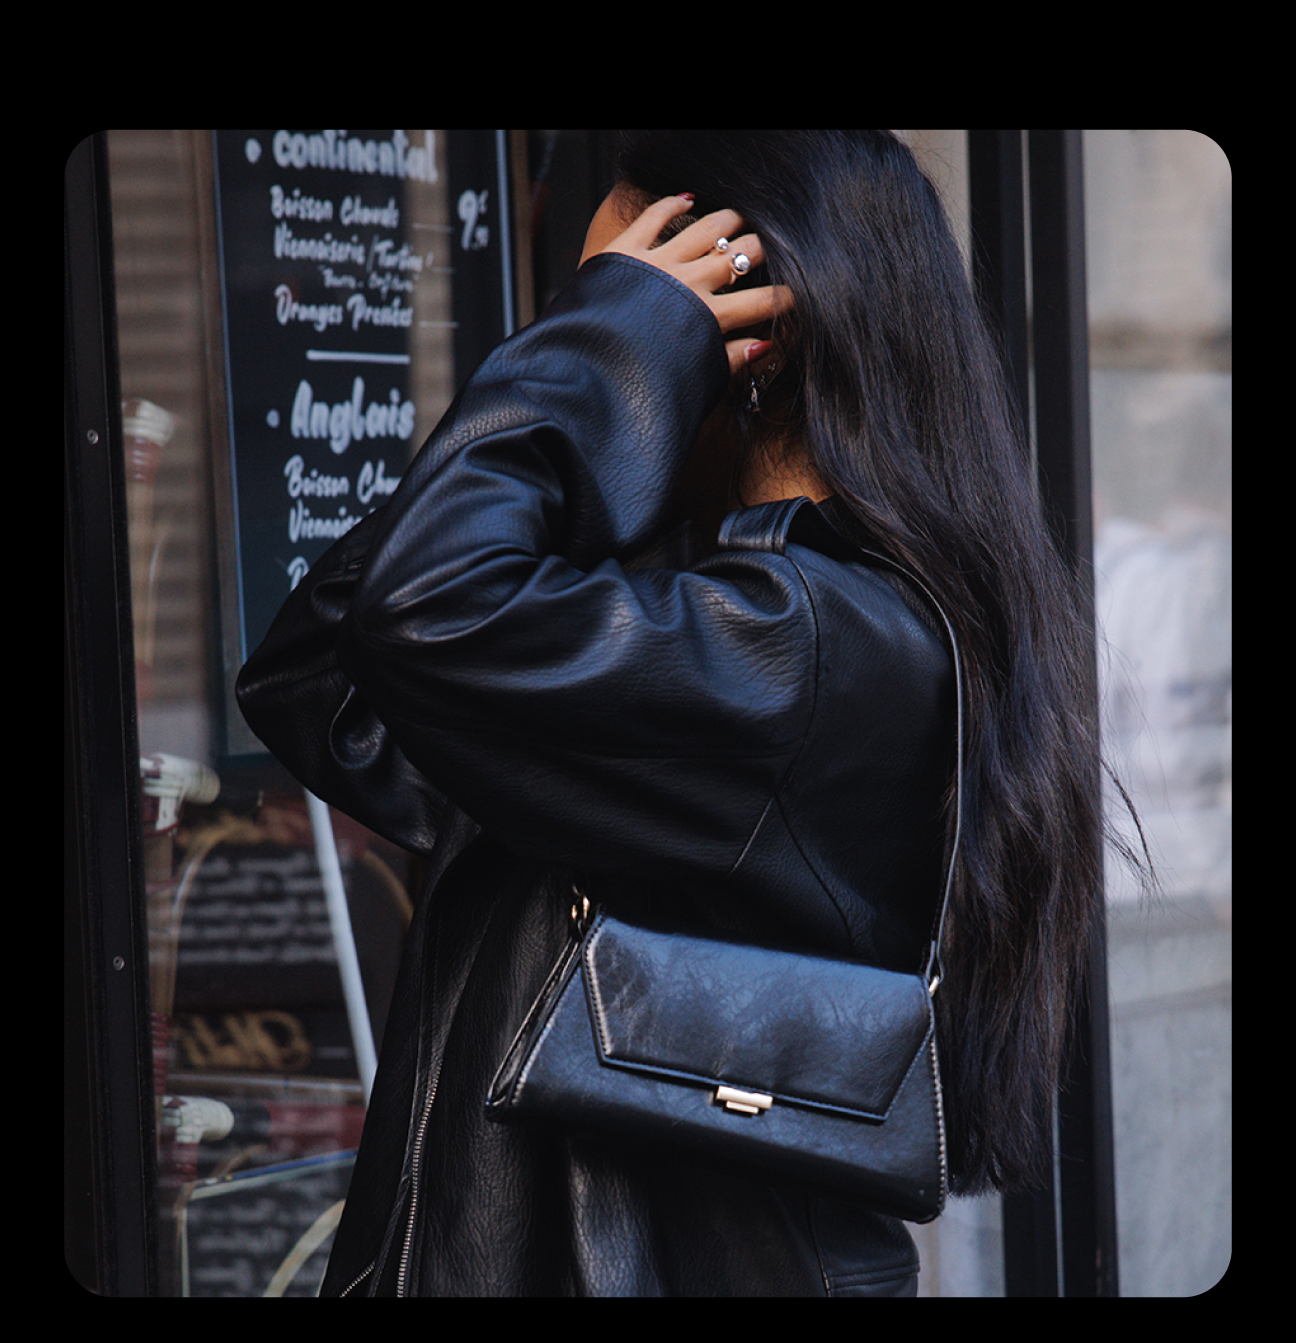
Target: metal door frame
{"points": [[109, 1141], [1026, 192]]}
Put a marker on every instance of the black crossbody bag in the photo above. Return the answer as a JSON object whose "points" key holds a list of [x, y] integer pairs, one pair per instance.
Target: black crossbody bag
{"points": [[815, 1068]]}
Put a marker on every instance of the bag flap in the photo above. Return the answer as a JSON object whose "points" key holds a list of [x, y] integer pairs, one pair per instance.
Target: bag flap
{"points": [[806, 1029]]}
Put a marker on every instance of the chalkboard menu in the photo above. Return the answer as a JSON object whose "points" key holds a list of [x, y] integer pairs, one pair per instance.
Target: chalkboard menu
{"points": [[363, 275], [242, 1233]]}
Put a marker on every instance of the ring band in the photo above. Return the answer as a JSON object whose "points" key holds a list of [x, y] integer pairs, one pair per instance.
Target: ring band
{"points": [[740, 263]]}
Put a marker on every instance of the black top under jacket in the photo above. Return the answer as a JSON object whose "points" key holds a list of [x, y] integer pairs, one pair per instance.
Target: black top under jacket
{"points": [[486, 671]]}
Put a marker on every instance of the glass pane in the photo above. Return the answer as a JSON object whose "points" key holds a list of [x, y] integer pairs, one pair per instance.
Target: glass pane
{"points": [[234, 252], [1159, 262]]}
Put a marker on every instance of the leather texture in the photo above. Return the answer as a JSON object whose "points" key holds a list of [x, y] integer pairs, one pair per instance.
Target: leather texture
{"points": [[640, 1029], [809, 1030], [520, 668]]}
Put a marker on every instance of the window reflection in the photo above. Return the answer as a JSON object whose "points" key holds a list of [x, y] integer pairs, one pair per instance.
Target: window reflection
{"points": [[1158, 207], [258, 1091]]}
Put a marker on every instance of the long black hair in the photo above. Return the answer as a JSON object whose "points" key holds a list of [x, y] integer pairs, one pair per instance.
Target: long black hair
{"points": [[891, 381]]}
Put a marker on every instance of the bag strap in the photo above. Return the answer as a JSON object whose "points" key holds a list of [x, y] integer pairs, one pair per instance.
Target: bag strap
{"points": [[770, 527], [935, 968]]}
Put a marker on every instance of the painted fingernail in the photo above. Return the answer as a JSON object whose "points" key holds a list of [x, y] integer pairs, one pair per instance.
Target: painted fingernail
{"points": [[758, 349], [687, 196]]}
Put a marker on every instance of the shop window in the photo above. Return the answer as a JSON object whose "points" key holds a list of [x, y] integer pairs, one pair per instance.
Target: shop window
{"points": [[295, 311]]}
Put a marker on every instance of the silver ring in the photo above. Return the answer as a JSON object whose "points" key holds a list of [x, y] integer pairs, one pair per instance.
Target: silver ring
{"points": [[740, 263], [722, 244]]}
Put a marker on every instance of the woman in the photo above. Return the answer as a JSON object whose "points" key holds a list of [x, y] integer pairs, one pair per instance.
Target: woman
{"points": [[547, 658]]}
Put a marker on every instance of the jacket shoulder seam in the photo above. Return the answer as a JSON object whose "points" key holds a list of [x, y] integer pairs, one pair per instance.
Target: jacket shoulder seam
{"points": [[812, 718], [775, 797]]}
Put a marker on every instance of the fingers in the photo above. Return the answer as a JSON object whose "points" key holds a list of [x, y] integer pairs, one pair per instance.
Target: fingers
{"points": [[729, 260], [743, 311], [744, 354], [701, 237], [709, 255], [750, 307], [689, 244], [645, 230], [714, 241]]}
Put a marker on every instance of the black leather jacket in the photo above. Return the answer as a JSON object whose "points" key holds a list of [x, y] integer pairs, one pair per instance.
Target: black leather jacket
{"points": [[759, 741]]}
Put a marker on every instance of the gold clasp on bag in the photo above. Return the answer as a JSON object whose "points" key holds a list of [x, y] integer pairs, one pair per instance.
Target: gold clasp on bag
{"points": [[743, 1102]]}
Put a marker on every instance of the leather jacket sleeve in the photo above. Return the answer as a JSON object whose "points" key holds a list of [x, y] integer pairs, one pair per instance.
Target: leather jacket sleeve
{"points": [[480, 639], [301, 704]]}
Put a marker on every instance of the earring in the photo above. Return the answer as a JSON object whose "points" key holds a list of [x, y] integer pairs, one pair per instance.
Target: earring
{"points": [[758, 384]]}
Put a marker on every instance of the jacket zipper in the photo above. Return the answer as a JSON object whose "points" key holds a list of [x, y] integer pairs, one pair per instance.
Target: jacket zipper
{"points": [[416, 1163], [358, 1279]]}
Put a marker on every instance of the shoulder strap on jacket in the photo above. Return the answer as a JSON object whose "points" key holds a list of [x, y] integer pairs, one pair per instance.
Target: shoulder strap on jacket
{"points": [[770, 527]]}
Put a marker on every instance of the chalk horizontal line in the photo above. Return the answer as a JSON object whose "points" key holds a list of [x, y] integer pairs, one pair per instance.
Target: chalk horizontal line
{"points": [[354, 357]]}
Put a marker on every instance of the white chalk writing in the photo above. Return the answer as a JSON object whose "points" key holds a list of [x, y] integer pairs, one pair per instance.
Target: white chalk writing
{"points": [[397, 157], [344, 422], [374, 482]]}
